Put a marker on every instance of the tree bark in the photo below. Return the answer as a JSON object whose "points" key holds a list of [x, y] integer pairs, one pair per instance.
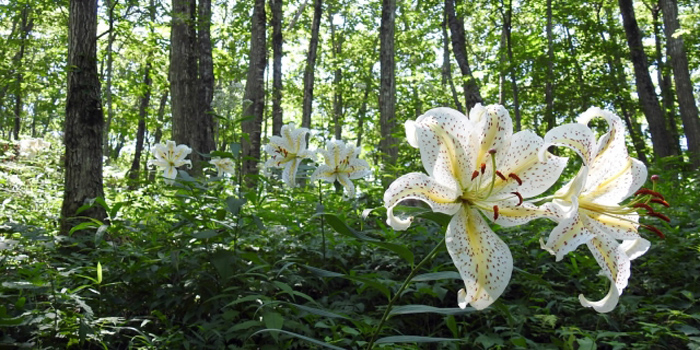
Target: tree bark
{"points": [[141, 129], [277, 42], [471, 88], [660, 136], [447, 65], [109, 4], [84, 118], [255, 93], [507, 24], [387, 89], [203, 138], [549, 118], [183, 71], [311, 66], [25, 27], [337, 44], [681, 76]]}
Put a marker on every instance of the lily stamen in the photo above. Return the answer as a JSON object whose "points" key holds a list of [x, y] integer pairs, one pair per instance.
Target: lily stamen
{"points": [[655, 230], [660, 216], [661, 201], [516, 178], [495, 212], [520, 198], [500, 175]]}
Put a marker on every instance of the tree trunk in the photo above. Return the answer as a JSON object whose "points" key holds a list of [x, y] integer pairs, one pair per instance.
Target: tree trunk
{"points": [[255, 93], [84, 118], [660, 136], [26, 25], [387, 89], [141, 129], [158, 134], [276, 23], [311, 66], [337, 44], [363, 108], [447, 65], [203, 138], [183, 70], [471, 88], [681, 76], [664, 78], [508, 21], [549, 118], [109, 4]]}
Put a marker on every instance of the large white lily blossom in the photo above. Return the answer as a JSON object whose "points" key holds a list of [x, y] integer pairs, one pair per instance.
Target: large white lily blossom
{"points": [[31, 147], [287, 151], [223, 165], [169, 157], [341, 164], [475, 167], [588, 208]]}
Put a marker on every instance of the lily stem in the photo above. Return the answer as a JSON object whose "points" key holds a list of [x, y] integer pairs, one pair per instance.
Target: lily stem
{"points": [[323, 229], [413, 273]]}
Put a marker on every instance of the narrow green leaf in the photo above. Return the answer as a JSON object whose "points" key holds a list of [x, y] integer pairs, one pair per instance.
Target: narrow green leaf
{"points": [[421, 309], [299, 336], [319, 312], [411, 339], [437, 276], [205, 234]]}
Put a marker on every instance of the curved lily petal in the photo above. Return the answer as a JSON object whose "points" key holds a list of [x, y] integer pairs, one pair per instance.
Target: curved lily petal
{"points": [[482, 258], [494, 129], [289, 172], [578, 137], [325, 173], [419, 186], [169, 172], [616, 187], [347, 184], [635, 248], [614, 262], [604, 305], [567, 236]]}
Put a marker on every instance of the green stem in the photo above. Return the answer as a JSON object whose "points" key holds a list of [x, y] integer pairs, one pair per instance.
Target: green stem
{"points": [[413, 273], [323, 229]]}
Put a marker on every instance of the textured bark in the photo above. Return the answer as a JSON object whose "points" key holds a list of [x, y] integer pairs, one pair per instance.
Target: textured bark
{"points": [[311, 66], [337, 44], [507, 25], [660, 136], [277, 42], [203, 138], [681, 76], [471, 88], [255, 93], [109, 4], [387, 89], [84, 118], [25, 27], [183, 70], [447, 65], [141, 129], [549, 118]]}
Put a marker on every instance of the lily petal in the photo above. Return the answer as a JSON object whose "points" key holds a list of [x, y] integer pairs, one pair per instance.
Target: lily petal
{"points": [[419, 186], [567, 236], [347, 184], [604, 305], [578, 137], [290, 171], [635, 248], [482, 258], [612, 188], [169, 172], [613, 260]]}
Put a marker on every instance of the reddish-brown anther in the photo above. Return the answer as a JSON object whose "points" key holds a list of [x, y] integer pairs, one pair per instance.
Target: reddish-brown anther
{"points": [[655, 230], [649, 192], [660, 201], [520, 197], [475, 174], [500, 175], [483, 167], [495, 212], [516, 178], [660, 216], [644, 205]]}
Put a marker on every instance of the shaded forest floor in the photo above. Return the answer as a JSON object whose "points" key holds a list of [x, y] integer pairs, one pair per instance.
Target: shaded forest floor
{"points": [[201, 265]]}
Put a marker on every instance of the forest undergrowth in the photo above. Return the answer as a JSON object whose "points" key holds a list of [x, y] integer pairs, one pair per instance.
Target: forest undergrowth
{"points": [[207, 264]]}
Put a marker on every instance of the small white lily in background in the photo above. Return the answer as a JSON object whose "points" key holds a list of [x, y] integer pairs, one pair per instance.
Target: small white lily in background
{"points": [[31, 147], [287, 151], [169, 157], [341, 164], [588, 209], [476, 166], [223, 165]]}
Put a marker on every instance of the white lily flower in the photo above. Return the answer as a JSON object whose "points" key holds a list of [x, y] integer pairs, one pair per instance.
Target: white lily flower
{"points": [[223, 165], [169, 157], [341, 164], [31, 147], [287, 151], [588, 208], [475, 166]]}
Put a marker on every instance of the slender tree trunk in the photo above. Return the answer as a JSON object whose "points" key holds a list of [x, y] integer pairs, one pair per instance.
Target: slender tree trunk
{"points": [[276, 23], [297, 15], [203, 139], [549, 118], [508, 21], [681, 76], [141, 129], [363, 108], [84, 118], [254, 92], [109, 4], [660, 136], [387, 89], [664, 78], [471, 88], [158, 134], [337, 44], [25, 27], [447, 65], [311, 66]]}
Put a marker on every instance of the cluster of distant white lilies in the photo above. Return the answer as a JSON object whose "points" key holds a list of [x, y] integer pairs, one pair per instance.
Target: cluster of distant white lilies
{"points": [[478, 168]]}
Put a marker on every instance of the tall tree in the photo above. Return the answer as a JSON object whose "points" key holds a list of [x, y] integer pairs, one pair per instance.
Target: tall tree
{"points": [[84, 118], [681, 76], [447, 65], [277, 42], [203, 138], [311, 65], [549, 117], [660, 136], [337, 49], [111, 34], [456, 22], [507, 34], [255, 93], [141, 128], [387, 88], [27, 22]]}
